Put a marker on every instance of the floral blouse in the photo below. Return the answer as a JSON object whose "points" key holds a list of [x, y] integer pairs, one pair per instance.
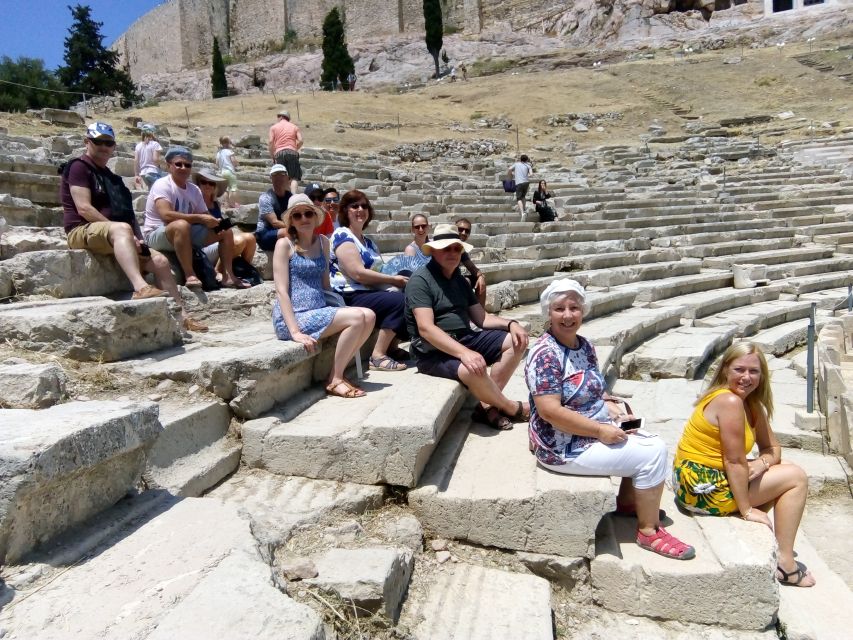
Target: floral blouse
{"points": [[370, 257], [552, 369]]}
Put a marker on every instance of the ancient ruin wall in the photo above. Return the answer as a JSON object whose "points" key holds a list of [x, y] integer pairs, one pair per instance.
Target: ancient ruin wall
{"points": [[152, 44], [201, 21]]}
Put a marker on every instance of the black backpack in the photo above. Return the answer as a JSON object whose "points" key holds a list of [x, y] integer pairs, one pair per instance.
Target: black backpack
{"points": [[112, 186], [246, 271], [204, 271]]}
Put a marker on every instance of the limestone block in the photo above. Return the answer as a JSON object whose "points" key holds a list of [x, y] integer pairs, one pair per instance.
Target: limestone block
{"points": [[65, 274], [61, 116], [729, 551], [747, 276], [31, 386], [90, 328], [276, 504], [373, 578], [680, 352], [190, 570], [488, 489], [5, 282], [61, 465], [476, 603], [22, 212], [245, 214], [22, 239], [387, 437], [501, 296], [249, 140], [263, 263], [40, 188], [566, 572], [404, 530]]}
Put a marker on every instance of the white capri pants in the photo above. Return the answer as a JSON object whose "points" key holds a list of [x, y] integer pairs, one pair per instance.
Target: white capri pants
{"points": [[640, 458]]}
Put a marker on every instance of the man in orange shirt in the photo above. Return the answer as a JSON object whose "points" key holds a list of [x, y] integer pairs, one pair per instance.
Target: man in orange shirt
{"points": [[284, 144]]}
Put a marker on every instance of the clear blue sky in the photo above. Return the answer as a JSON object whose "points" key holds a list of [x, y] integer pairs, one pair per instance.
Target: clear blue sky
{"points": [[38, 28]]}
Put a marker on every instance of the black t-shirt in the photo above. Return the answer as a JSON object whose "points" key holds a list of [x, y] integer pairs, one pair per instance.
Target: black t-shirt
{"points": [[449, 298]]}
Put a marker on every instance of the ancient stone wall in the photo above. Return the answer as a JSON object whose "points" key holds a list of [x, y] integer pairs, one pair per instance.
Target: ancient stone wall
{"points": [[146, 47], [201, 21]]}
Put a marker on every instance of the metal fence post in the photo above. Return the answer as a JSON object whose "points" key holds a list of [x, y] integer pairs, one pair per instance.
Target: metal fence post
{"points": [[810, 361]]}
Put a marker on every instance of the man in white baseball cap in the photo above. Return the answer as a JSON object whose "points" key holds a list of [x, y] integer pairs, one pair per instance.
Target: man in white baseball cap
{"points": [[271, 207], [440, 307]]}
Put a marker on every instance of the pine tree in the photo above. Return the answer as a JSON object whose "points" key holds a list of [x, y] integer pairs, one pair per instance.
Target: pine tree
{"points": [[217, 78], [337, 63], [434, 29], [91, 68]]}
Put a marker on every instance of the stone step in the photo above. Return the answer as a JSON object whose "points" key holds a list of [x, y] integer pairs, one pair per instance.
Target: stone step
{"points": [[61, 274], [205, 549], [518, 270], [781, 256], [601, 303], [752, 318], [834, 238], [735, 247], [631, 580], [809, 267], [824, 611], [827, 299], [829, 475], [64, 464], [705, 303], [249, 367], [385, 437], [20, 239], [635, 273], [95, 329], [810, 284], [720, 236], [486, 488], [468, 602], [625, 330], [782, 338], [663, 288], [38, 188], [683, 352], [192, 453], [22, 212], [581, 260]]}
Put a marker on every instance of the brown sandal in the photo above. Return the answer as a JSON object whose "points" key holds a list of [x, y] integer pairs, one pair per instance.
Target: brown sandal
{"points": [[520, 414], [333, 389], [491, 417]]}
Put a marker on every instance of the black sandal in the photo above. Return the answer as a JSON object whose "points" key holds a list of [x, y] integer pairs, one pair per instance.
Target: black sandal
{"points": [[491, 417], [801, 572], [520, 415]]}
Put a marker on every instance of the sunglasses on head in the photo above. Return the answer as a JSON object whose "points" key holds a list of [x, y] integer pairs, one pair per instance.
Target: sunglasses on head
{"points": [[103, 143], [183, 165], [298, 215], [332, 200], [419, 226]]}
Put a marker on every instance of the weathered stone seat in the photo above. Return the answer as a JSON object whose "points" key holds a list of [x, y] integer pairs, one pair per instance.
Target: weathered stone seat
{"points": [[770, 257], [64, 464]]}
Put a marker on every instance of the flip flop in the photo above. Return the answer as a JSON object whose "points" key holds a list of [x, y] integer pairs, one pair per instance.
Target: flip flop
{"points": [[491, 417]]}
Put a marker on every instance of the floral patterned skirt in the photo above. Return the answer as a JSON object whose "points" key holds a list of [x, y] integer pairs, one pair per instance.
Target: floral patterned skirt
{"points": [[701, 489]]}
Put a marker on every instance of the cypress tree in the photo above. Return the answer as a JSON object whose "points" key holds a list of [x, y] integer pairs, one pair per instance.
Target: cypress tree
{"points": [[434, 29], [218, 81], [337, 63], [91, 68]]}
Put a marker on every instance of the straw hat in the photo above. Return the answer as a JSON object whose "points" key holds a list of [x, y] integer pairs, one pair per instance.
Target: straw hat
{"points": [[445, 235], [301, 201], [207, 174]]}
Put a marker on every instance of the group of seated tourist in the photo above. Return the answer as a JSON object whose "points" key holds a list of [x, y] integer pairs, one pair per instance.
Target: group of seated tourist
{"points": [[330, 278]]}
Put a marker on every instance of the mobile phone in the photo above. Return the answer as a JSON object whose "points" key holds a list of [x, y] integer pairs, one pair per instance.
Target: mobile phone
{"points": [[224, 225], [630, 425], [144, 250]]}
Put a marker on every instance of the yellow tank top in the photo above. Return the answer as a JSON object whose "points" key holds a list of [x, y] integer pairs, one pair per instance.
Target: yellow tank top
{"points": [[700, 441]]}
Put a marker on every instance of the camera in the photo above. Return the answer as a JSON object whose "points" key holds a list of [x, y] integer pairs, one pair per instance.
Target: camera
{"points": [[223, 225]]}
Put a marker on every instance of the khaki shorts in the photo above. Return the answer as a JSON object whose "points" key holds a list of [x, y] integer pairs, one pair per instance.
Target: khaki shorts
{"points": [[92, 236]]}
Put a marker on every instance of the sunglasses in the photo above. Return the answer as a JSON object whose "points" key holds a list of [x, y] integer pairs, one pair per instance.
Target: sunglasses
{"points": [[332, 200], [453, 248], [183, 165], [462, 230], [103, 143], [298, 215], [418, 227], [206, 183], [359, 205]]}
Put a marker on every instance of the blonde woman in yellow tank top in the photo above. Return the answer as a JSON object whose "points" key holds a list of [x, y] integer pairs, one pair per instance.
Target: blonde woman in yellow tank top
{"points": [[712, 472]]}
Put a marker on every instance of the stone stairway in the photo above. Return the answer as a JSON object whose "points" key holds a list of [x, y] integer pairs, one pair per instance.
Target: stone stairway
{"points": [[238, 417]]}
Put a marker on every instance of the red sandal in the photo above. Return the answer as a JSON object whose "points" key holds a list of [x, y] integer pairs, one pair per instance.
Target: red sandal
{"points": [[664, 543]]}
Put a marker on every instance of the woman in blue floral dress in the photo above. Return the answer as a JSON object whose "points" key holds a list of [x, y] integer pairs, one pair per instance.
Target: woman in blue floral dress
{"points": [[572, 429], [356, 274], [300, 313]]}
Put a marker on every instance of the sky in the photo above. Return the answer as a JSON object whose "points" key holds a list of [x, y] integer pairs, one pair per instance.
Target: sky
{"points": [[38, 28]]}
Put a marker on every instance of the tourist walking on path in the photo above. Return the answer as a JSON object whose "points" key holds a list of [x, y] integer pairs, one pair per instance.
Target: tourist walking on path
{"points": [[285, 142], [300, 313], [572, 429], [146, 158], [356, 265], [176, 219], [440, 308], [98, 216], [520, 172], [271, 207], [713, 474], [226, 164]]}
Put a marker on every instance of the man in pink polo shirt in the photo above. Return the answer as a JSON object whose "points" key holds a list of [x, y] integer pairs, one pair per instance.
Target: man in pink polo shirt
{"points": [[284, 145]]}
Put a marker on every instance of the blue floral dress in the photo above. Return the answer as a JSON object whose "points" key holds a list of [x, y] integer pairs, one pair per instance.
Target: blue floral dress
{"points": [[306, 296], [370, 257], [552, 368]]}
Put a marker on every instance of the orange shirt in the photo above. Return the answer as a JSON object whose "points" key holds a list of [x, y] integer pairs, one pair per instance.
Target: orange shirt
{"points": [[283, 135], [326, 227]]}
